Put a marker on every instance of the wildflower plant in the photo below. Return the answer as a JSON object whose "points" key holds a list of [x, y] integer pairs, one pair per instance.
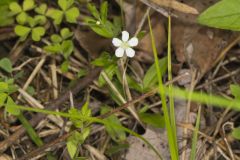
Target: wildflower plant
{"points": [[100, 24], [125, 45]]}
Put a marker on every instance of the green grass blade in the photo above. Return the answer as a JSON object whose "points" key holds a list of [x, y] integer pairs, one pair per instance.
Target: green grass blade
{"points": [[195, 136], [171, 99], [31, 132], [170, 134]]}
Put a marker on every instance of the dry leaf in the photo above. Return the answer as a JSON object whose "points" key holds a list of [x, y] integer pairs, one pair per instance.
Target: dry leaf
{"points": [[181, 7], [197, 45]]}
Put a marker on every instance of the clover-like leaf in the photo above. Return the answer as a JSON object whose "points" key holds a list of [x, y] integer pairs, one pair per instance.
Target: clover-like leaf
{"points": [[67, 48], [41, 9], [37, 33], [56, 15], [15, 8], [28, 5], [56, 38], [72, 15], [22, 31], [65, 33], [22, 18], [65, 4], [55, 48], [40, 19]]}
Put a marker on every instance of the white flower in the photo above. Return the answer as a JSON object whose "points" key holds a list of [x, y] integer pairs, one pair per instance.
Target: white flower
{"points": [[125, 45]]}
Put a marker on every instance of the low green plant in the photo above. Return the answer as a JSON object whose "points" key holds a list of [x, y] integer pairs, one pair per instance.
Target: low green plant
{"points": [[61, 44], [6, 17], [67, 11], [32, 28], [78, 137], [21, 10], [100, 24]]}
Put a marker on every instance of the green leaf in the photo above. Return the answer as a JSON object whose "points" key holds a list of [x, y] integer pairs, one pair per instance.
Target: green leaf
{"points": [[56, 38], [32, 21], [30, 90], [153, 119], [224, 15], [103, 60], [236, 133], [81, 72], [3, 97], [111, 125], [41, 9], [37, 33], [65, 4], [40, 19], [6, 18], [72, 15], [85, 111], [150, 79], [72, 144], [11, 107], [104, 11], [56, 15], [75, 139], [64, 66], [28, 5], [76, 122], [110, 71], [65, 33], [235, 90], [93, 10], [22, 18], [102, 31], [133, 84], [56, 48], [67, 48], [6, 2], [6, 65], [3, 87], [15, 8]]}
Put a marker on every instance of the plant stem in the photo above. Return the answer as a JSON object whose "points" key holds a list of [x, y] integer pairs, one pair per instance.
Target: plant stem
{"points": [[170, 134]]}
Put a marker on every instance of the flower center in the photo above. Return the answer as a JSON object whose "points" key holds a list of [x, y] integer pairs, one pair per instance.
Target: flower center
{"points": [[124, 45]]}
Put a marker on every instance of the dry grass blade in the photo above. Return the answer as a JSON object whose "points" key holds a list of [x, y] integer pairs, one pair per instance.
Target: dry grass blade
{"points": [[171, 4]]}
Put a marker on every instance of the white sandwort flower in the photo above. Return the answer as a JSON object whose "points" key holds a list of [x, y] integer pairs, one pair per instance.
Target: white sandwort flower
{"points": [[125, 45]]}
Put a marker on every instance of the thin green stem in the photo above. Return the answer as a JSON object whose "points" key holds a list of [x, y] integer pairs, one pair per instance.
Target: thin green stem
{"points": [[171, 99], [195, 136], [31, 132], [170, 134]]}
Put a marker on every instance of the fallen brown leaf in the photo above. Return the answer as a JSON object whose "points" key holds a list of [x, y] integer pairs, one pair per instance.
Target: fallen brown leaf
{"points": [[181, 7]]}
